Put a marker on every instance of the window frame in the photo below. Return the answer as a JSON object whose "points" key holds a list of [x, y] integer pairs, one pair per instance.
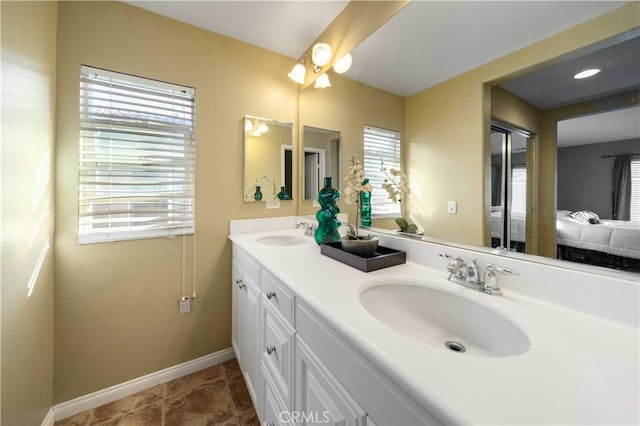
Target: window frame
{"points": [[381, 206], [136, 159], [634, 203]]}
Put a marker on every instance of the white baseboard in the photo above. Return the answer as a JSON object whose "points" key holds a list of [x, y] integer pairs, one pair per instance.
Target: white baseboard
{"points": [[104, 396], [49, 420]]}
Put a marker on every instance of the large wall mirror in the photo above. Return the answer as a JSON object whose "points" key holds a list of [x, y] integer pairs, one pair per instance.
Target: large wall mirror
{"points": [[447, 144], [594, 132], [321, 158], [268, 160]]}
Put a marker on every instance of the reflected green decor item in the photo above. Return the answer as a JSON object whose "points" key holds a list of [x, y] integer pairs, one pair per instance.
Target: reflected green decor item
{"points": [[258, 194], [283, 194], [365, 206], [327, 230]]}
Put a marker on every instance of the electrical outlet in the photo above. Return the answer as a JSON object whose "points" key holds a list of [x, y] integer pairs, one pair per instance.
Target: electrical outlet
{"points": [[452, 207], [275, 204], [185, 305]]}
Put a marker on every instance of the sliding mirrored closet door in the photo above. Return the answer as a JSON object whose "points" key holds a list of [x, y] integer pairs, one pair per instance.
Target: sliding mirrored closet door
{"points": [[508, 187]]}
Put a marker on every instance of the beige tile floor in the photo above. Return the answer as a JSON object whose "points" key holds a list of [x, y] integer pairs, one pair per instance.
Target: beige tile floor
{"points": [[214, 396]]}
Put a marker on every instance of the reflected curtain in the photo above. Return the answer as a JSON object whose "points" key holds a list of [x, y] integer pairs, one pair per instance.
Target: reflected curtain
{"points": [[496, 185], [622, 188]]}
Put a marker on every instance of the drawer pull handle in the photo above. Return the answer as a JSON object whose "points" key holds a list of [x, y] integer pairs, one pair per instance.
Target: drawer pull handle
{"points": [[271, 295], [270, 350]]}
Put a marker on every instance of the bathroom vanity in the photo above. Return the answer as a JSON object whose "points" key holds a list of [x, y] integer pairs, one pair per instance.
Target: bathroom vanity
{"points": [[320, 342]]}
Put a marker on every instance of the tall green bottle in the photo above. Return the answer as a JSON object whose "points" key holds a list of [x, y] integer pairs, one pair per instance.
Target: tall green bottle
{"points": [[327, 230], [365, 207]]}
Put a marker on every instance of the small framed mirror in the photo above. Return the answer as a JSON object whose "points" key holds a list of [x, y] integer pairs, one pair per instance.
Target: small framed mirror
{"points": [[321, 158], [268, 159]]}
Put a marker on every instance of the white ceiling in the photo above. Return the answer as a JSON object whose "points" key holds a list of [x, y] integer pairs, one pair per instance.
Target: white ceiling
{"points": [[618, 125], [285, 27], [426, 43], [554, 86], [429, 42]]}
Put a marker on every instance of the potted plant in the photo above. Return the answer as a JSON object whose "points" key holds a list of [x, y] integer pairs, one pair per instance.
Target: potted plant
{"points": [[353, 242], [396, 184]]}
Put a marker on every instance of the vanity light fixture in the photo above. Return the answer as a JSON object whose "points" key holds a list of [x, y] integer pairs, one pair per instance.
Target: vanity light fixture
{"points": [[322, 82], [343, 64], [297, 74], [587, 73], [320, 55], [255, 128]]}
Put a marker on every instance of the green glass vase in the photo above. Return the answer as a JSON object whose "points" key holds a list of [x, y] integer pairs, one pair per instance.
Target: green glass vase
{"points": [[258, 194], [283, 194], [328, 224], [365, 207]]}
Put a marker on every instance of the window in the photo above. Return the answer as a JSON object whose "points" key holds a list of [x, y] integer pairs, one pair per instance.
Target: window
{"points": [[380, 144], [519, 190], [137, 158], [635, 189]]}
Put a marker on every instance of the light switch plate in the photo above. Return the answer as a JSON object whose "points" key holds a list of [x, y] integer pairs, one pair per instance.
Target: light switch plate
{"points": [[452, 207], [274, 204]]}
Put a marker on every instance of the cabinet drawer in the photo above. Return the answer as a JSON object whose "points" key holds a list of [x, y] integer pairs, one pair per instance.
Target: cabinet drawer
{"points": [[246, 264], [277, 296], [277, 352]]}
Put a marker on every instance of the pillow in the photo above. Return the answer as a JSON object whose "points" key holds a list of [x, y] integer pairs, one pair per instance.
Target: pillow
{"points": [[585, 216]]}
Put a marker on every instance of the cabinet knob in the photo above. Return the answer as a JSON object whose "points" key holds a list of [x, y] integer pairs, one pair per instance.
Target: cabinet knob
{"points": [[240, 284], [270, 424], [271, 295], [271, 349]]}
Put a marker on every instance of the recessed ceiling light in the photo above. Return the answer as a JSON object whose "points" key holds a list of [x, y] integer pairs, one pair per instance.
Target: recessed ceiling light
{"points": [[587, 73]]}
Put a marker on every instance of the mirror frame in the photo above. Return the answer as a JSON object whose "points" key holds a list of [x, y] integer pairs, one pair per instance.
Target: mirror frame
{"points": [[280, 154]]}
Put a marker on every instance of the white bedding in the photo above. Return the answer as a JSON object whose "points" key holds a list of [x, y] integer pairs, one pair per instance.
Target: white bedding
{"points": [[617, 237]]}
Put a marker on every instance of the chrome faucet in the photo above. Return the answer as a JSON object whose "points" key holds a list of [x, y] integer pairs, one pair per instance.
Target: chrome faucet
{"points": [[309, 228], [468, 274]]}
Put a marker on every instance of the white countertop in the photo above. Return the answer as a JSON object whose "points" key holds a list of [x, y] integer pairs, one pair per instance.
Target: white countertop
{"points": [[579, 369]]}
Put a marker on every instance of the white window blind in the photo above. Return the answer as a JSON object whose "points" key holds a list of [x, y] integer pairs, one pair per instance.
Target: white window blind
{"points": [[519, 190], [381, 144], [635, 189], [137, 158]]}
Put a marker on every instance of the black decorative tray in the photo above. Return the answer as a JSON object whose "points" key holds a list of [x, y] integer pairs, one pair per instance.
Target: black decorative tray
{"points": [[383, 258]]}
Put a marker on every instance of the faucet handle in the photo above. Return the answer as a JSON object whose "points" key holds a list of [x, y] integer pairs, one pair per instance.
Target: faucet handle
{"points": [[501, 270], [457, 268], [490, 281]]}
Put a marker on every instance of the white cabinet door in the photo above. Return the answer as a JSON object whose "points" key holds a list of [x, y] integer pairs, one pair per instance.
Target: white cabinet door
{"points": [[238, 300], [319, 398], [245, 327], [251, 338]]}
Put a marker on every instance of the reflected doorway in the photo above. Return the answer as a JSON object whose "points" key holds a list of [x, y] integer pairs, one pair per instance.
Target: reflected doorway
{"points": [[508, 187]]}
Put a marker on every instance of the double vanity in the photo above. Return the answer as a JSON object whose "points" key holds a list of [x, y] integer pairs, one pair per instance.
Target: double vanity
{"points": [[320, 342]]}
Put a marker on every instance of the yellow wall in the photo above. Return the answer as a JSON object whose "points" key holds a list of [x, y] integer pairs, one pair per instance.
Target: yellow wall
{"points": [[116, 304], [28, 119], [346, 107], [447, 130], [509, 109]]}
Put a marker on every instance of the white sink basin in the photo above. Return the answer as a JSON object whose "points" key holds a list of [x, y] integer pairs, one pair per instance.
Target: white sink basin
{"points": [[281, 240], [437, 318]]}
